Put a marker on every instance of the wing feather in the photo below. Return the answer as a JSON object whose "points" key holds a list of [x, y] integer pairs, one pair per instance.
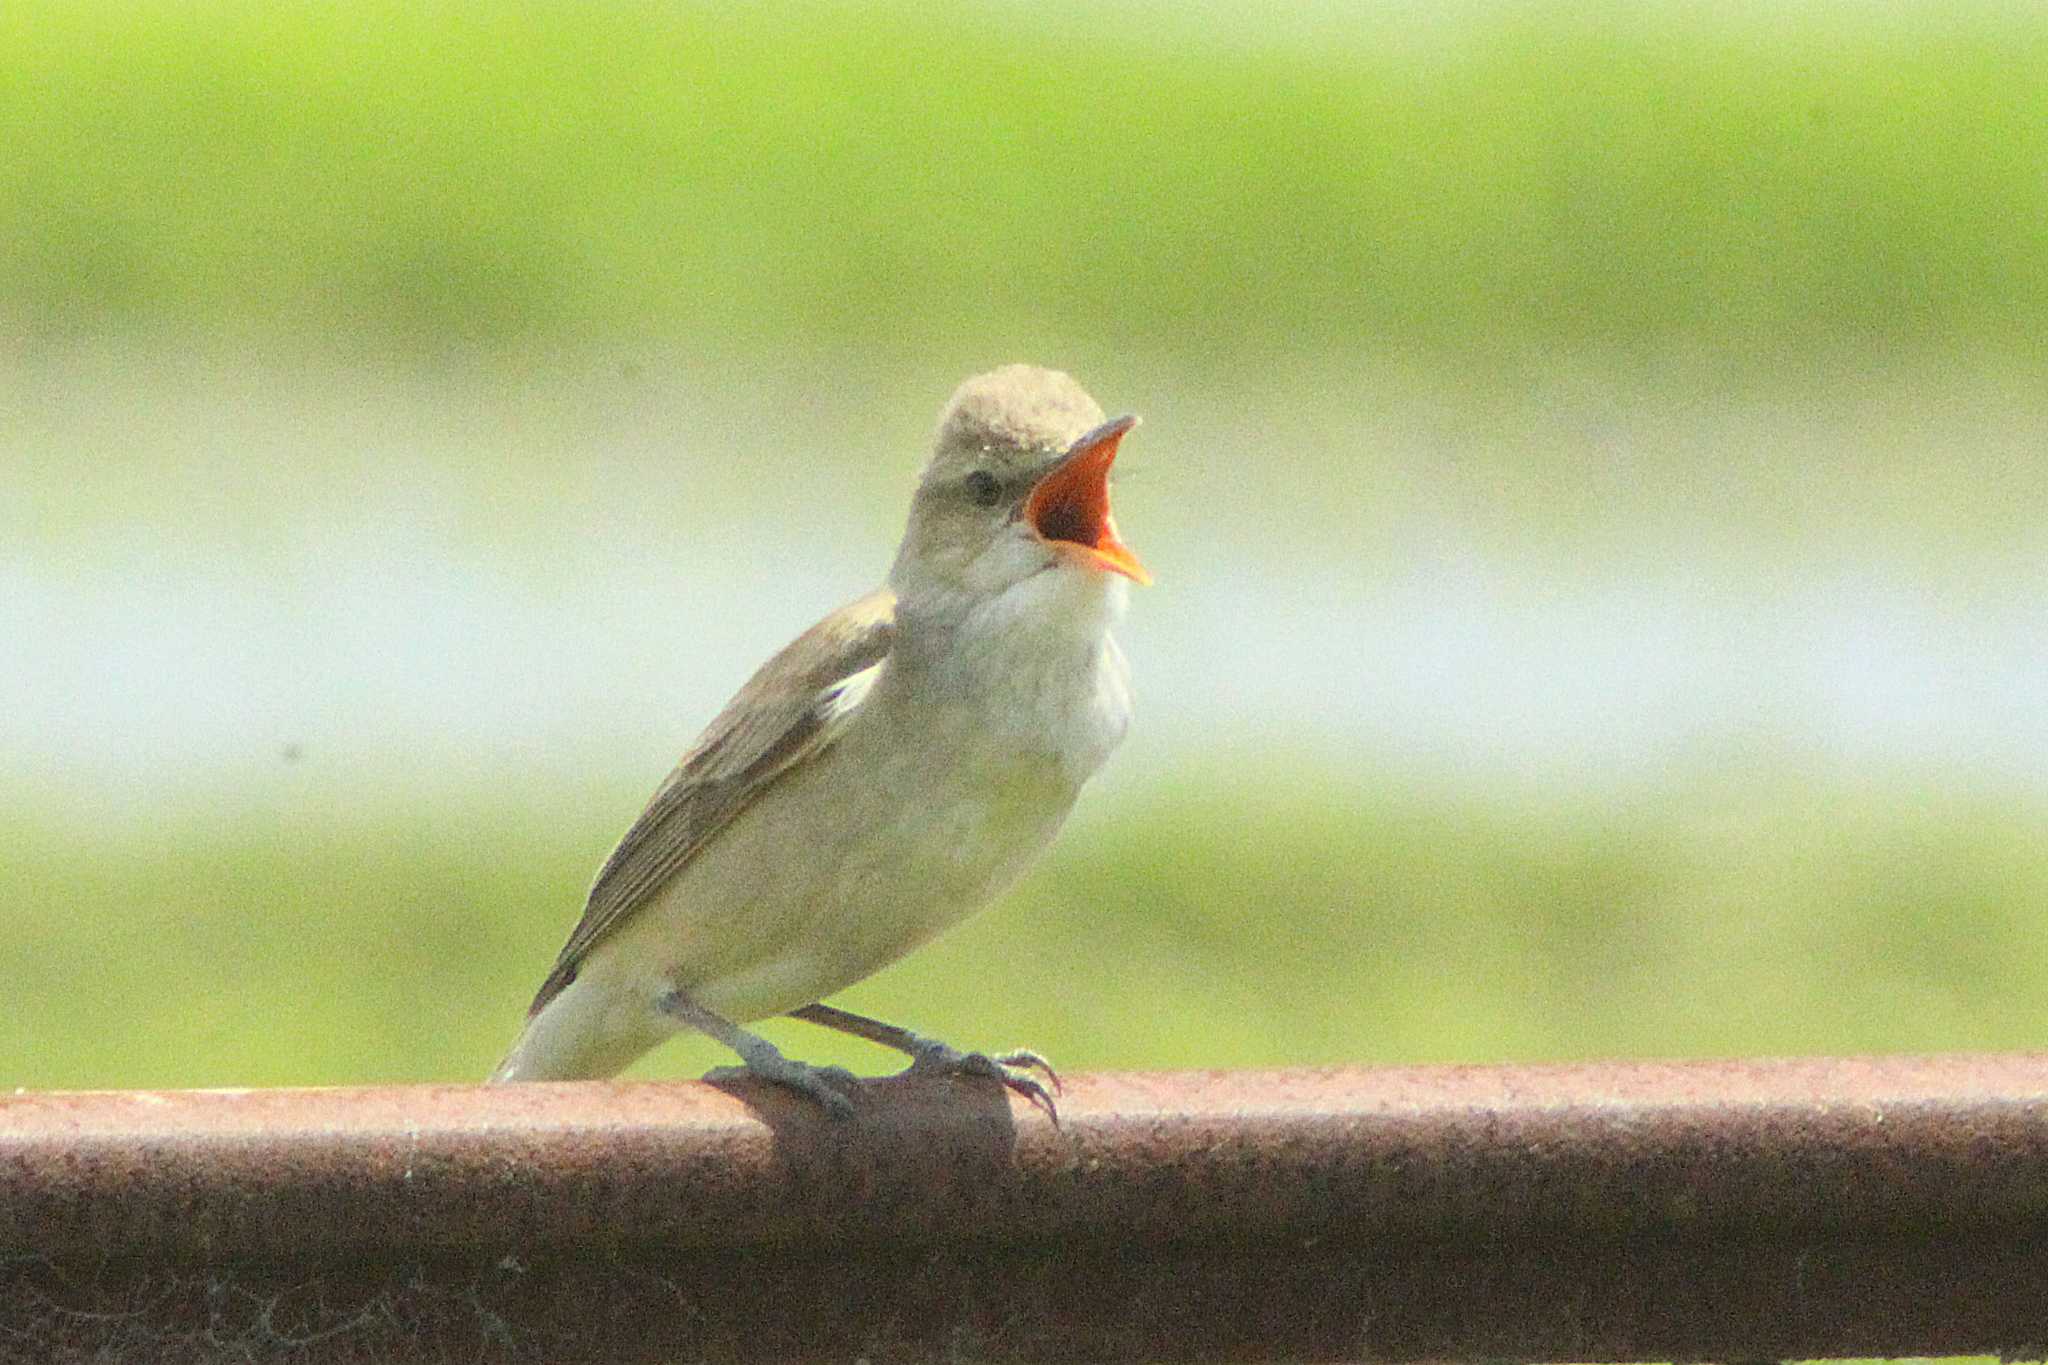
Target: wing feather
{"points": [[788, 711]]}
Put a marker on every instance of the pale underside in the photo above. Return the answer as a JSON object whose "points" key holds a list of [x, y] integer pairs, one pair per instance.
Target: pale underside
{"points": [[840, 813]]}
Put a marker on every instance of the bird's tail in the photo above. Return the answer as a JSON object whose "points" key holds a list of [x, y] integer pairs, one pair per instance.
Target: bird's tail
{"points": [[585, 1033]]}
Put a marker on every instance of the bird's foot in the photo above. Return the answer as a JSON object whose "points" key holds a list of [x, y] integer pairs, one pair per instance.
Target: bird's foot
{"points": [[1012, 1069], [826, 1086]]}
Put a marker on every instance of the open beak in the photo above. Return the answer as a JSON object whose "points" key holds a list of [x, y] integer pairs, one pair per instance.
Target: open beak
{"points": [[1069, 507]]}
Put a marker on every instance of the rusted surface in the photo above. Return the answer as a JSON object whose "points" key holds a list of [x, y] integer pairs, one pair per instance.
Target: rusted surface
{"points": [[1636, 1211]]}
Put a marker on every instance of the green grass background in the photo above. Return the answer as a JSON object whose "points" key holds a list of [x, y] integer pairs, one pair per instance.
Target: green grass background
{"points": [[1236, 928], [1767, 196], [1209, 184]]}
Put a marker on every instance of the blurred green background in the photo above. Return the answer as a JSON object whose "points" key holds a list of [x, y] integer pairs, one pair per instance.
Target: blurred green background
{"points": [[1593, 464]]}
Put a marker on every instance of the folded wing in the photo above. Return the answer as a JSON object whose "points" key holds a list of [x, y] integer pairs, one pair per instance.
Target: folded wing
{"points": [[790, 710]]}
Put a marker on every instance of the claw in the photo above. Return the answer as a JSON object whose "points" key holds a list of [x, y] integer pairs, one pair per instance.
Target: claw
{"points": [[929, 1054], [1031, 1090], [951, 1061], [1031, 1061]]}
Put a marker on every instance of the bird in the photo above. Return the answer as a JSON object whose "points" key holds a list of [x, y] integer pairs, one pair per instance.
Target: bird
{"points": [[886, 774]]}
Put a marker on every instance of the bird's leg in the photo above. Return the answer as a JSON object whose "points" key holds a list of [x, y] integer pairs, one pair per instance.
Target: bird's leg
{"points": [[929, 1054], [823, 1084]]}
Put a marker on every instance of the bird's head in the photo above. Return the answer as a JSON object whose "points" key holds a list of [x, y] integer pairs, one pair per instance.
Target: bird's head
{"points": [[1017, 486]]}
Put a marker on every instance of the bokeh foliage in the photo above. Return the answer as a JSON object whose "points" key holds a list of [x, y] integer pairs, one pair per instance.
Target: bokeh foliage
{"points": [[1766, 181], [1233, 929]]}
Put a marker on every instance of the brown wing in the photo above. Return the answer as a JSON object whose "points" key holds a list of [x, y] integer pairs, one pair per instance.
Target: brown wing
{"points": [[784, 714]]}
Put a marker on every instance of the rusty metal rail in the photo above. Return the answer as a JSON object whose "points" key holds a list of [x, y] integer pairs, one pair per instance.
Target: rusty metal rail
{"points": [[1613, 1212]]}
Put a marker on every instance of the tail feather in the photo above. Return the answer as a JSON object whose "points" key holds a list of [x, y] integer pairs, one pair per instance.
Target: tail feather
{"points": [[583, 1033]]}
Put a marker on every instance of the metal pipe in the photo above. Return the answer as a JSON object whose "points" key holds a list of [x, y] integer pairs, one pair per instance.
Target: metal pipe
{"points": [[1731, 1210]]}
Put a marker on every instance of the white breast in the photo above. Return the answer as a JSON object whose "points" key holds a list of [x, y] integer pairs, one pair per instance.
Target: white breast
{"points": [[956, 768], [1040, 669]]}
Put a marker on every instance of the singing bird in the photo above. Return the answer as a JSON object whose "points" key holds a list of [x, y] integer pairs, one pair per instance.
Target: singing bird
{"points": [[882, 777]]}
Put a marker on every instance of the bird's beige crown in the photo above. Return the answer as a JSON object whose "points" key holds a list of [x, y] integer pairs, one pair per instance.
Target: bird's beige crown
{"points": [[1018, 408]]}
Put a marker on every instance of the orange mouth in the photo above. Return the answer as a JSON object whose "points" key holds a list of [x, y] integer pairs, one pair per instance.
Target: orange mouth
{"points": [[1070, 506]]}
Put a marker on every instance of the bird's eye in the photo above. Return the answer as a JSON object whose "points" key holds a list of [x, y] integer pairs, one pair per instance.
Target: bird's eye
{"points": [[983, 488]]}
